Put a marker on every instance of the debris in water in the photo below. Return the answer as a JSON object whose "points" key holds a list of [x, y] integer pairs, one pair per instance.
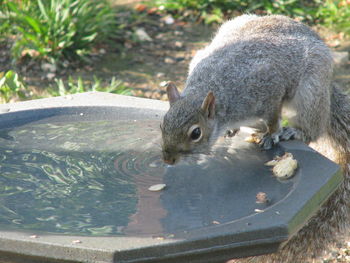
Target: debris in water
{"points": [[153, 165], [157, 187], [253, 138], [261, 198]]}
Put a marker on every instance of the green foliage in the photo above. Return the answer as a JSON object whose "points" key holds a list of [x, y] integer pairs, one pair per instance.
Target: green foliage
{"points": [[78, 86], [5, 25], [304, 10], [335, 14], [208, 10], [53, 29], [285, 123], [11, 86], [215, 10]]}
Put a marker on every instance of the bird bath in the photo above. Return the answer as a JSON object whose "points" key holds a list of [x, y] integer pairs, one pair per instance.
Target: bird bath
{"points": [[74, 179]]}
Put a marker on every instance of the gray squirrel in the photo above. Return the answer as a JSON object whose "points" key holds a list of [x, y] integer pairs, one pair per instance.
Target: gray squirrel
{"points": [[263, 68]]}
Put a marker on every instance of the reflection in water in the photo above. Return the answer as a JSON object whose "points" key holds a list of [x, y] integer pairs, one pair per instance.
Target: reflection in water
{"points": [[92, 178], [62, 178], [221, 189]]}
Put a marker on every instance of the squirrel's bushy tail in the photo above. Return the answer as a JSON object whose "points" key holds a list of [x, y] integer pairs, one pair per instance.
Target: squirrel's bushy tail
{"points": [[339, 130], [334, 216]]}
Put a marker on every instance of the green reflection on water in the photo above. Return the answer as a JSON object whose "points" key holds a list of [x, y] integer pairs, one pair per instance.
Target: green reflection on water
{"points": [[62, 178]]}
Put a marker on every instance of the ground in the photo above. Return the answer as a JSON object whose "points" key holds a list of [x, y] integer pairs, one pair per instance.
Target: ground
{"points": [[140, 65], [144, 65]]}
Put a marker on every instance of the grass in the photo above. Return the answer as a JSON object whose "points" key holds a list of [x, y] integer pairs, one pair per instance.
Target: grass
{"points": [[53, 30], [12, 87], [330, 13], [335, 15], [211, 11], [60, 88], [61, 30], [57, 30], [5, 24]]}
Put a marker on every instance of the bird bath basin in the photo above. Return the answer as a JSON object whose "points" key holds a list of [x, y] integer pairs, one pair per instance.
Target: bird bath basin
{"points": [[74, 179]]}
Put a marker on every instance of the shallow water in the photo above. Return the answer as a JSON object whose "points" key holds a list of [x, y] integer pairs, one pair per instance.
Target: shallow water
{"points": [[92, 178], [75, 177]]}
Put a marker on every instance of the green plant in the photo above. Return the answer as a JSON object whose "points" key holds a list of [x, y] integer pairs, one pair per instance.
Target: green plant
{"points": [[335, 14], [5, 25], [304, 10], [208, 10], [215, 10], [78, 86], [53, 29], [11, 86]]}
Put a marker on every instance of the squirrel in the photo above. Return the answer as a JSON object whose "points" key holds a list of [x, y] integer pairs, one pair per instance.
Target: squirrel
{"points": [[263, 68]]}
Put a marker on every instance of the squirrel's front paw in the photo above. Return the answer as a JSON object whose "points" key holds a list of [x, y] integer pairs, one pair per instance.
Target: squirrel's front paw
{"points": [[268, 141], [284, 134], [289, 133]]}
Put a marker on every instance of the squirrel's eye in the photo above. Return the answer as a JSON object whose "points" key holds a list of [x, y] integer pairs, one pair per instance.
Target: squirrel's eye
{"points": [[196, 134]]}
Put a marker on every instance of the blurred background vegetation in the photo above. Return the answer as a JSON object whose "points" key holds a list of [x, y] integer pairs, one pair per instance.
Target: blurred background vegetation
{"points": [[67, 33], [331, 13]]}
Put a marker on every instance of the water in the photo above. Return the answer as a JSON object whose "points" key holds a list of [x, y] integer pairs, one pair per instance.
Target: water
{"points": [[92, 178], [76, 178]]}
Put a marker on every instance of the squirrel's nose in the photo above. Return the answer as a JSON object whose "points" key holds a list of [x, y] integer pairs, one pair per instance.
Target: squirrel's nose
{"points": [[169, 157], [170, 161]]}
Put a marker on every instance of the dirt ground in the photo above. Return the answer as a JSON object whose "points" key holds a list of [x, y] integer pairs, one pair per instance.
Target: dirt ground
{"points": [[144, 65]]}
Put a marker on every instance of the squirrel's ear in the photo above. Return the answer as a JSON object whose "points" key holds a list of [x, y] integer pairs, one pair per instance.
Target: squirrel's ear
{"points": [[208, 105], [173, 93]]}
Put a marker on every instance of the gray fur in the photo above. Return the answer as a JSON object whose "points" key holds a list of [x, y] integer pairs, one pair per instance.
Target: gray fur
{"points": [[255, 66], [259, 67]]}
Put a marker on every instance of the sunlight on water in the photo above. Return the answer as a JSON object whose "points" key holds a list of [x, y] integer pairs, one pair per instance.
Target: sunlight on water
{"points": [[93, 178], [76, 178]]}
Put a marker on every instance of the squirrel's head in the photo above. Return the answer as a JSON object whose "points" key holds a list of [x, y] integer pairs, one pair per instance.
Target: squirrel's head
{"points": [[187, 126]]}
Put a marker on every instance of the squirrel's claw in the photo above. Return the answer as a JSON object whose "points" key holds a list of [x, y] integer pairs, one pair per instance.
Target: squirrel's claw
{"points": [[284, 134], [288, 133], [267, 141]]}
